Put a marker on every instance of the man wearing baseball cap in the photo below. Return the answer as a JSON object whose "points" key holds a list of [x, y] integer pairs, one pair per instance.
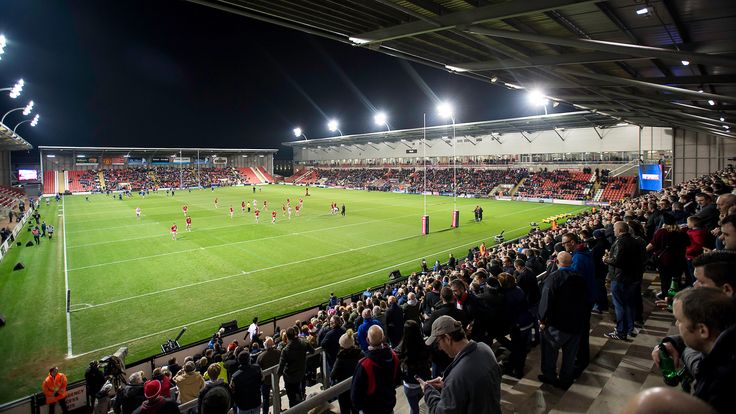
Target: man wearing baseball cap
{"points": [[472, 382]]}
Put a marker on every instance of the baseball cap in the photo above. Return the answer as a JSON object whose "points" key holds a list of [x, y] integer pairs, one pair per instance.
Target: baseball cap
{"points": [[152, 389], [442, 326]]}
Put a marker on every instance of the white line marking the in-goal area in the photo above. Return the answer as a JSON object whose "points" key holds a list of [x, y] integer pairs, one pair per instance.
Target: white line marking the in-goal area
{"points": [[283, 297], [66, 286]]}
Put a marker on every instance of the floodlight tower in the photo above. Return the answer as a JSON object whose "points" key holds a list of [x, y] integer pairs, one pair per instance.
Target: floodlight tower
{"points": [[26, 111], [15, 90], [381, 119], [333, 126], [299, 133], [33, 122], [445, 111]]}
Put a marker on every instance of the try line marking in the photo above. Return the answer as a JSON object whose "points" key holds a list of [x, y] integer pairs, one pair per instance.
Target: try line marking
{"points": [[282, 297], [66, 286], [90, 306]]}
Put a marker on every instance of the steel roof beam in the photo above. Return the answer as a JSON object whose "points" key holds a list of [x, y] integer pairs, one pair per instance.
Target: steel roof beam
{"points": [[478, 15], [612, 47], [546, 60]]}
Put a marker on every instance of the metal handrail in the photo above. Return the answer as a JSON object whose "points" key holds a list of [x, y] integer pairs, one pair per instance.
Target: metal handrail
{"points": [[321, 398]]}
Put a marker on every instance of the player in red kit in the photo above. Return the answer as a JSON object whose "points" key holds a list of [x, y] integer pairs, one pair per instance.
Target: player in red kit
{"points": [[273, 217], [184, 209], [189, 223], [258, 214], [173, 231], [242, 206], [297, 209]]}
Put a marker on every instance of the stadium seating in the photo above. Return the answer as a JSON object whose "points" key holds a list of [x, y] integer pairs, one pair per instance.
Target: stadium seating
{"points": [[618, 188], [49, 182], [249, 176]]}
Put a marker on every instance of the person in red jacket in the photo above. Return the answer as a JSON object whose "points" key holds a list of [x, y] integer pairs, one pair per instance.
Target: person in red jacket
{"points": [[54, 388], [700, 238]]}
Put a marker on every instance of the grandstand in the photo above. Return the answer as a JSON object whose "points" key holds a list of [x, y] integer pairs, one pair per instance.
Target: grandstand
{"points": [[100, 169]]}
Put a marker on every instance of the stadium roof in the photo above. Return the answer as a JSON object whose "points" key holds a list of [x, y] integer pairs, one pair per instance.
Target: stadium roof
{"points": [[12, 142], [152, 149], [525, 125], [648, 62]]}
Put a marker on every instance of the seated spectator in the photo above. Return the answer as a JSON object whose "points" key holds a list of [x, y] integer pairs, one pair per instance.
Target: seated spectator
{"points": [[155, 403], [214, 372], [189, 382], [131, 396]]}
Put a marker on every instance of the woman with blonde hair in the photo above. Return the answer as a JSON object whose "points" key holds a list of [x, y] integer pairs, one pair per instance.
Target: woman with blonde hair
{"points": [[347, 359]]}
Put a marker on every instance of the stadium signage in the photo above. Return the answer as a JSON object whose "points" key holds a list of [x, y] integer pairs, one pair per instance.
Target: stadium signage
{"points": [[411, 151], [182, 160], [160, 160], [113, 161], [87, 160], [219, 160], [136, 161]]}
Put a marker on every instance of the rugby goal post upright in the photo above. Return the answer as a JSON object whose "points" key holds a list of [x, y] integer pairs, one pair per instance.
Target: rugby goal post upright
{"points": [[425, 224], [455, 219]]}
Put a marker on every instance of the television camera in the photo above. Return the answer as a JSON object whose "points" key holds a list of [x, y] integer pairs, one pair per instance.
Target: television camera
{"points": [[499, 237], [173, 344]]}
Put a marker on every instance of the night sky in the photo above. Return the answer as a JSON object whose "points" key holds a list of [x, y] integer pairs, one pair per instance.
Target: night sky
{"points": [[170, 73]]}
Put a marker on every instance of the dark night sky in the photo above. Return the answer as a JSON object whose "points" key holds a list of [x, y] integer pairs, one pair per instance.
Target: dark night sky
{"points": [[170, 73]]}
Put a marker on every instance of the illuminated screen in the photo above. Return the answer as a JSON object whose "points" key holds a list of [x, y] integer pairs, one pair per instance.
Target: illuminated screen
{"points": [[650, 177], [27, 175]]}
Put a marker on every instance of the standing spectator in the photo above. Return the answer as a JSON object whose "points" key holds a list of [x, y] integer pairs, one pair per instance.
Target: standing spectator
{"points": [[625, 268], [706, 319], [394, 321], [345, 363], [155, 403], [472, 382], [411, 308], [189, 381], [561, 313], [431, 299], [414, 357], [214, 372], [669, 245], [293, 366], [131, 396], [330, 344], [447, 307], [517, 314], [598, 250], [474, 310], [246, 385], [268, 358], [54, 388], [373, 390], [368, 321], [699, 238], [706, 211], [582, 264], [728, 233]]}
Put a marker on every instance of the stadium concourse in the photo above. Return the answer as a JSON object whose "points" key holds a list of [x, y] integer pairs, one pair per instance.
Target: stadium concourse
{"points": [[595, 264]]}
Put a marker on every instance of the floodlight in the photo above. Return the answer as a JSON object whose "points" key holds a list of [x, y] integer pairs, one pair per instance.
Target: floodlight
{"points": [[28, 109], [358, 41], [35, 120], [445, 110], [494, 79], [723, 119], [711, 102], [297, 132], [685, 62], [380, 118], [455, 68], [3, 42], [537, 98], [332, 125], [17, 88], [642, 11]]}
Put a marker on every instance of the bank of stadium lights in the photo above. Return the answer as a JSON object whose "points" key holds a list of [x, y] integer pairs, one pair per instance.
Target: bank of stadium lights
{"points": [[33, 122], [299, 133], [381, 119], [333, 126], [26, 111], [15, 90], [3, 43]]}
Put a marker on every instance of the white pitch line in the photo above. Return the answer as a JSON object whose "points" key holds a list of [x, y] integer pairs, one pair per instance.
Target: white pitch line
{"points": [[66, 285], [243, 272], [281, 298]]}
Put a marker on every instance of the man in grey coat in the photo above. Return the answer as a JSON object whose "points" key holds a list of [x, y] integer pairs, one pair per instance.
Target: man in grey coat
{"points": [[472, 382]]}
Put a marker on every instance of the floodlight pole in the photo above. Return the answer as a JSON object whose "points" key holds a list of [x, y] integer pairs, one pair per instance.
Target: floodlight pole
{"points": [[21, 122], [181, 182], [2, 121], [454, 166]]}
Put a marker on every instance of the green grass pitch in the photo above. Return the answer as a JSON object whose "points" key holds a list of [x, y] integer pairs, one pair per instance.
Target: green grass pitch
{"points": [[132, 285]]}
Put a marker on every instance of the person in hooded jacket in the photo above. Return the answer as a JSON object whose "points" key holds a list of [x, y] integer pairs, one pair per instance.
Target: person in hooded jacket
{"points": [[373, 390]]}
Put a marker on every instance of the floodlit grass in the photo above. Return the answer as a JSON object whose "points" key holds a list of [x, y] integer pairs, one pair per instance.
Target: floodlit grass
{"points": [[132, 285]]}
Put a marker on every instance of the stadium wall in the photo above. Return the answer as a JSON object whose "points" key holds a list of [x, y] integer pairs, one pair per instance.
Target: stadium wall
{"points": [[615, 139], [695, 154]]}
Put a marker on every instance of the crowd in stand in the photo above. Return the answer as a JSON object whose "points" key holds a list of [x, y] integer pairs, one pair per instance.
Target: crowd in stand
{"points": [[135, 178], [437, 333]]}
